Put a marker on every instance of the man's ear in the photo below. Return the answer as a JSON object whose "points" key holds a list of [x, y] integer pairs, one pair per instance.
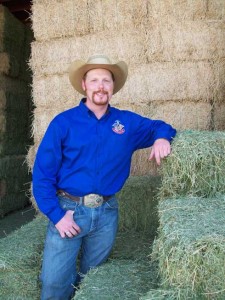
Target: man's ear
{"points": [[83, 85]]}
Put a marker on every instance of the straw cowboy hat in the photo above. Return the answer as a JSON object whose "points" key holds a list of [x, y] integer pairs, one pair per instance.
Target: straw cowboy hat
{"points": [[79, 68]]}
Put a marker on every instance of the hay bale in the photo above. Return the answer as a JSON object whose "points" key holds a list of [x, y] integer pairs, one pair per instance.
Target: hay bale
{"points": [[2, 126], [219, 81], [55, 56], [127, 274], [118, 279], [12, 164], [15, 46], [173, 40], [216, 10], [13, 85], [11, 33], [10, 65], [54, 91], [138, 204], [190, 247], [160, 294], [195, 166], [141, 165], [12, 202], [15, 124], [12, 38], [4, 63], [177, 81], [219, 116], [184, 115], [20, 265], [180, 114], [25, 70], [77, 18], [186, 10], [71, 18], [15, 193], [20, 261]]}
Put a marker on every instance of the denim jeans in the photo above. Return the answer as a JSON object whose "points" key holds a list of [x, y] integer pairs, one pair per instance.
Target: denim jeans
{"points": [[98, 231]]}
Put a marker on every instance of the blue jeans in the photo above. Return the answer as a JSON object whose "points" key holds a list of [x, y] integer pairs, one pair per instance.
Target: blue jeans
{"points": [[98, 231]]}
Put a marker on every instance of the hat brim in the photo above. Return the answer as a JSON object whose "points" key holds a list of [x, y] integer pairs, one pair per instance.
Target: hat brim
{"points": [[79, 68]]}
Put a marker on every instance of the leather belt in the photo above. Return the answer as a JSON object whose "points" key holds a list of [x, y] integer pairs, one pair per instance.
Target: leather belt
{"points": [[91, 200]]}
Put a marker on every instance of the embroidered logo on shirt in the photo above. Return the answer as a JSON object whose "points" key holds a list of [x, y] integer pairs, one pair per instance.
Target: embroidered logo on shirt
{"points": [[117, 127]]}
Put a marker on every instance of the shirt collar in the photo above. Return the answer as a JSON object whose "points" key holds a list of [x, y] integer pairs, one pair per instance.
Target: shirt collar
{"points": [[86, 110]]}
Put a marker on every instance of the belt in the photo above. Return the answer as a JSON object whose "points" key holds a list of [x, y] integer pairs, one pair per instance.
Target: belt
{"points": [[91, 200]]}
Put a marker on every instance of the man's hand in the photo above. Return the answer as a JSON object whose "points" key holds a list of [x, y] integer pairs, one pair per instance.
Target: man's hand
{"points": [[160, 149], [66, 226]]}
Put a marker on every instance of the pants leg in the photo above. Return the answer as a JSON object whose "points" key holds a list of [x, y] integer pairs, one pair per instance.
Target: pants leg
{"points": [[97, 245], [59, 272], [59, 265]]}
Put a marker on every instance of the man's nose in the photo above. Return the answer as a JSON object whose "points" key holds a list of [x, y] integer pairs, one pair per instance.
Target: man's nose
{"points": [[101, 85]]}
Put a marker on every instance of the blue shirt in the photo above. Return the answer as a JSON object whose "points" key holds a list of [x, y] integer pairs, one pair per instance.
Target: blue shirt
{"points": [[82, 154]]}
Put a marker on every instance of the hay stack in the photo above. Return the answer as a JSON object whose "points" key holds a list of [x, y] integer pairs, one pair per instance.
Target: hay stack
{"points": [[129, 270], [20, 261], [138, 205], [15, 107], [21, 251], [190, 247], [175, 52], [195, 166]]}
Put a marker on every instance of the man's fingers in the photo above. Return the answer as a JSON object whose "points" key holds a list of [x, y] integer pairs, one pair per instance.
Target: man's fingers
{"points": [[160, 150], [167, 151], [157, 157], [68, 234], [62, 234], [67, 226], [74, 230], [77, 228], [152, 154]]}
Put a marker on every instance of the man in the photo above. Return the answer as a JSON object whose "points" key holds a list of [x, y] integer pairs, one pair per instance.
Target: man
{"points": [[82, 162]]}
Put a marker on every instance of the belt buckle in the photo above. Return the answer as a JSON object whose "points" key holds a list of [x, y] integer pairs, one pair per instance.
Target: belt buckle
{"points": [[93, 200]]}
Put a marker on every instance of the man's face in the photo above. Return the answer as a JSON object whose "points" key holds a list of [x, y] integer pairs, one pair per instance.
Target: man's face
{"points": [[98, 85]]}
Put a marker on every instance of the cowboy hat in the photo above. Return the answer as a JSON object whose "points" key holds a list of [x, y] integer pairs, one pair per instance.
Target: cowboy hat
{"points": [[79, 68]]}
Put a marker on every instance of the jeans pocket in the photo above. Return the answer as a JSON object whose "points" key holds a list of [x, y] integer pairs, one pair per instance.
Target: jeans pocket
{"points": [[52, 228], [112, 203]]}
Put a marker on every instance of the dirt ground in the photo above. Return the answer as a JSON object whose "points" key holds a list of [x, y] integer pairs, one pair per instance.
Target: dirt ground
{"points": [[15, 220]]}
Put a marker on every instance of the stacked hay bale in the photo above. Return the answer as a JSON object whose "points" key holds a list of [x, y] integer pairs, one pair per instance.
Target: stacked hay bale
{"points": [[15, 107], [174, 49], [20, 265], [190, 247]]}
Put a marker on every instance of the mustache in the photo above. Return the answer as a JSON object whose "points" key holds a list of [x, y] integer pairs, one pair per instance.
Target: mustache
{"points": [[100, 91]]}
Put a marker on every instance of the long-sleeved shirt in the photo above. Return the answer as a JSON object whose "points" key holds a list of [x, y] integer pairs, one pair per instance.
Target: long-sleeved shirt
{"points": [[82, 154]]}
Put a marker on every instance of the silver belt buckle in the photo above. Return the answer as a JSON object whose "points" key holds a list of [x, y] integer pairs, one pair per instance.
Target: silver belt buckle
{"points": [[93, 200]]}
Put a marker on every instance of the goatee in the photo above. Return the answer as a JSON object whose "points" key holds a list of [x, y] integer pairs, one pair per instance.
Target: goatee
{"points": [[100, 102]]}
